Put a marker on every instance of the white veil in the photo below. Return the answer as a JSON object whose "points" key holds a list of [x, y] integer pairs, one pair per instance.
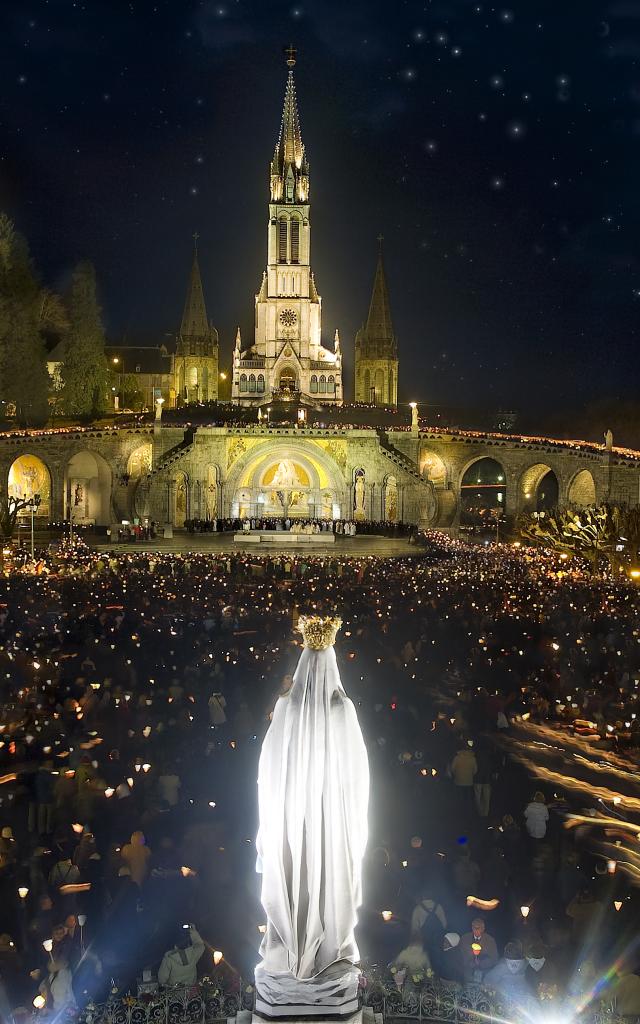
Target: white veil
{"points": [[313, 789]]}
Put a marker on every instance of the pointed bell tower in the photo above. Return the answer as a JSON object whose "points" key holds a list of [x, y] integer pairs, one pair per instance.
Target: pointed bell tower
{"points": [[287, 359], [376, 351], [196, 358]]}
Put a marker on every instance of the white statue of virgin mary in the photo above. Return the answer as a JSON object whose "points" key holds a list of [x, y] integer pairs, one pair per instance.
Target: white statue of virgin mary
{"points": [[313, 791]]}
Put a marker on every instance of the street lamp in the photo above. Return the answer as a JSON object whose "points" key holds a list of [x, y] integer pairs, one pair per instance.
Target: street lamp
{"points": [[35, 503], [116, 362]]}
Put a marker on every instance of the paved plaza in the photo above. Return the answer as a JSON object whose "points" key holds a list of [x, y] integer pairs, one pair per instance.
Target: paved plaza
{"points": [[350, 547]]}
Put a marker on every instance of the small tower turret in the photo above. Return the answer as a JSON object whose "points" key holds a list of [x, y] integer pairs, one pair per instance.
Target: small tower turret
{"points": [[376, 349], [196, 358]]}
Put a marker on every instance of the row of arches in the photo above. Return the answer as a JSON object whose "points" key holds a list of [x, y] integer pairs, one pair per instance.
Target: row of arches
{"points": [[484, 486], [87, 481], [86, 486], [252, 384], [321, 385]]}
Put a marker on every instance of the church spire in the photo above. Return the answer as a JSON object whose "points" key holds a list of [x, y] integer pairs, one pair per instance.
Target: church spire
{"points": [[289, 168], [194, 318], [379, 328]]}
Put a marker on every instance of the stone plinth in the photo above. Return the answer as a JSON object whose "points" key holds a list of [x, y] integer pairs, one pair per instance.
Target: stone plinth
{"points": [[283, 538]]}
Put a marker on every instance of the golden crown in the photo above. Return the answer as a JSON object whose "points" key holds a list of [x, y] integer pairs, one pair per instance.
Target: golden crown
{"points": [[318, 631]]}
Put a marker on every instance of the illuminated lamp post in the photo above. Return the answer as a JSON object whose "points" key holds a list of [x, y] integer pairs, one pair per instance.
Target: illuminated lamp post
{"points": [[116, 400], [35, 503]]}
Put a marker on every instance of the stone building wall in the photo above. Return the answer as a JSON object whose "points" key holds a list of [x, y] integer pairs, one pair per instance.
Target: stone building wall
{"points": [[170, 473]]}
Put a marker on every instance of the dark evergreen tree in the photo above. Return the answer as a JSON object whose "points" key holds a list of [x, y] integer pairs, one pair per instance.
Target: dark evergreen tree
{"points": [[24, 380], [85, 374]]}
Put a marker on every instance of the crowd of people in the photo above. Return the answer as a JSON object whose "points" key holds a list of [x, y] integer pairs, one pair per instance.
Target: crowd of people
{"points": [[496, 688]]}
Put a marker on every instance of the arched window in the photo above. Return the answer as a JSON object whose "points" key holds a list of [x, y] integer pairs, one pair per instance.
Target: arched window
{"points": [[252, 383], [322, 384], [367, 387], [243, 383], [261, 383], [295, 241], [392, 397], [282, 240], [331, 385], [314, 384]]}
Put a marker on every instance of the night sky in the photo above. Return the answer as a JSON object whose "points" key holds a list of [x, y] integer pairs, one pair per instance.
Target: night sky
{"points": [[495, 147]]}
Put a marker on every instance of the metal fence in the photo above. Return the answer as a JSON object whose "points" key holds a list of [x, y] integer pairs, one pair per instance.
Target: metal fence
{"points": [[427, 1000]]}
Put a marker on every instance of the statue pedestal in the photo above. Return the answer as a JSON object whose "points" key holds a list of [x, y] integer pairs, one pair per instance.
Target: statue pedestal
{"points": [[363, 1016]]}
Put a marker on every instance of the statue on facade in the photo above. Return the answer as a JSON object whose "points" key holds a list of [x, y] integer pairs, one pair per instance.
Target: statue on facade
{"points": [[608, 440], [313, 785], [358, 504]]}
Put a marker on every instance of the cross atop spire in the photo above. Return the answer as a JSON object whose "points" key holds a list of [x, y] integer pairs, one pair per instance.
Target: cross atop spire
{"points": [[195, 237], [290, 54], [380, 241]]}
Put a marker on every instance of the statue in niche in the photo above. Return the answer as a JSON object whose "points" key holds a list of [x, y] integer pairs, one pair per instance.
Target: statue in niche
{"points": [[358, 502]]}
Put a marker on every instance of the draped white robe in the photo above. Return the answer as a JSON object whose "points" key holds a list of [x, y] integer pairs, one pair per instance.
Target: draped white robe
{"points": [[313, 791]]}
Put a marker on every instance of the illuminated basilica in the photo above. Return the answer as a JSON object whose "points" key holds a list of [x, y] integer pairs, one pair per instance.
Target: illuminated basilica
{"points": [[291, 444]]}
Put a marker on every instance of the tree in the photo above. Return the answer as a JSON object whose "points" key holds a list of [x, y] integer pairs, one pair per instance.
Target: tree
{"points": [[10, 509], [590, 533], [131, 396], [85, 374], [24, 380]]}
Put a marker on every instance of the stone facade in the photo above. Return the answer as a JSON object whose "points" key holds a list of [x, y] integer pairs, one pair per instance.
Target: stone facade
{"points": [[171, 474]]}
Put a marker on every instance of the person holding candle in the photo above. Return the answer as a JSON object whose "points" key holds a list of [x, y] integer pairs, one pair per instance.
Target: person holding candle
{"points": [[478, 951]]}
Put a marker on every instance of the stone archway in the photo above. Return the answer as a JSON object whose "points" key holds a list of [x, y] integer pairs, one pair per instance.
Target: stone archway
{"points": [[483, 490], [538, 488], [30, 476], [284, 475], [582, 489], [87, 488]]}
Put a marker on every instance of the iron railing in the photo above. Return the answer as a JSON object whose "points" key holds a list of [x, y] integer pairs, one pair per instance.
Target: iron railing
{"points": [[210, 1002]]}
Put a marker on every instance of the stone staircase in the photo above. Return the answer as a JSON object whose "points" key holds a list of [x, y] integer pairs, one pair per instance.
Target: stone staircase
{"points": [[174, 454], [399, 459]]}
